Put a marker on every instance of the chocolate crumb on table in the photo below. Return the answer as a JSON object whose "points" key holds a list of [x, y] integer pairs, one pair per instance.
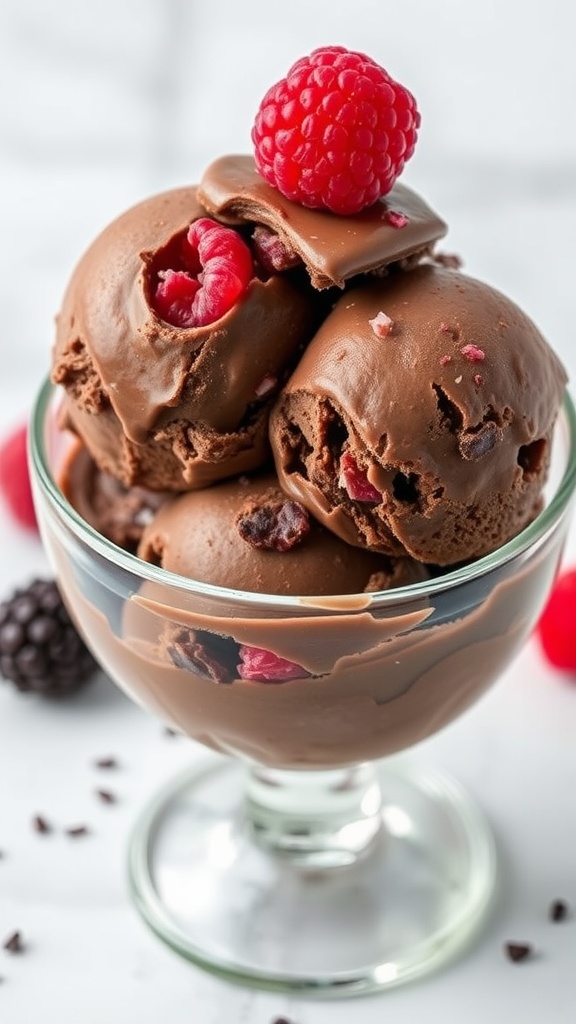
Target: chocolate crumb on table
{"points": [[77, 830], [558, 910], [106, 796], [106, 762], [518, 951], [13, 943], [40, 824]]}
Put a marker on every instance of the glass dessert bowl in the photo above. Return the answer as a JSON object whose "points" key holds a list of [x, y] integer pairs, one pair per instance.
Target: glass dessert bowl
{"points": [[304, 855]]}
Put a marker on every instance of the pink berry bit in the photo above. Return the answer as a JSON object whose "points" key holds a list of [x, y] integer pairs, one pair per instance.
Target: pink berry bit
{"points": [[445, 360], [396, 219], [264, 666], [213, 272], [14, 478], [355, 481], [381, 325], [473, 353], [478, 380], [271, 252], [266, 385], [336, 132]]}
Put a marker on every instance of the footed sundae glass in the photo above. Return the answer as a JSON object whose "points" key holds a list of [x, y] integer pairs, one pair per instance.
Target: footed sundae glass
{"points": [[305, 853]]}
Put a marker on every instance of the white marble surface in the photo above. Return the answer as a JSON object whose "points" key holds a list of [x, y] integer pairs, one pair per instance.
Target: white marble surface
{"points": [[101, 105]]}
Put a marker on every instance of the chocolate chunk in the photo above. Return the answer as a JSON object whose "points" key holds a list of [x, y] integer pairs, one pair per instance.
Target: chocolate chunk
{"points": [[208, 655], [476, 445], [273, 522], [518, 951]]}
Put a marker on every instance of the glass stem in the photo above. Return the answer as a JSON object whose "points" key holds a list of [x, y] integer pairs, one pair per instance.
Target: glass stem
{"points": [[315, 818]]}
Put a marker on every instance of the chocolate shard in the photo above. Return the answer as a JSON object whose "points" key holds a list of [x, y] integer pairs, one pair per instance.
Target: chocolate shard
{"points": [[333, 248], [474, 446]]}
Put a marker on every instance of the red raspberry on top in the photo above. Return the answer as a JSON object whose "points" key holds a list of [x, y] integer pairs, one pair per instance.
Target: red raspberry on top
{"points": [[336, 132]]}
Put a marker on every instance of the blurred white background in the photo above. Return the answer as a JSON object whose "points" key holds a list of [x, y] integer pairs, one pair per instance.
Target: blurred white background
{"points": [[103, 104]]}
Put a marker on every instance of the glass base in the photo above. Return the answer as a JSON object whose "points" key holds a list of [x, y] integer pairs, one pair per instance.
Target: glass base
{"points": [[406, 905]]}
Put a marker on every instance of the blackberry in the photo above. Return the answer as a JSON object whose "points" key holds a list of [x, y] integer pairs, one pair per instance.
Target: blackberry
{"points": [[40, 648]]}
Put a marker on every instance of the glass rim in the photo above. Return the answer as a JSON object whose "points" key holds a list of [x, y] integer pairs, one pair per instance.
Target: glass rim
{"points": [[341, 603]]}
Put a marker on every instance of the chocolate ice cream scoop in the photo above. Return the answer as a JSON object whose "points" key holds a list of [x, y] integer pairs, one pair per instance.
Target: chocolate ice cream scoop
{"points": [[419, 419], [246, 534], [159, 405], [398, 228]]}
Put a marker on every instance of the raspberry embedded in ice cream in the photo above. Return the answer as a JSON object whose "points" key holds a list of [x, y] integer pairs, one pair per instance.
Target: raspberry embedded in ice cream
{"points": [[215, 272], [169, 405], [355, 481], [473, 353], [273, 255], [336, 132], [265, 666]]}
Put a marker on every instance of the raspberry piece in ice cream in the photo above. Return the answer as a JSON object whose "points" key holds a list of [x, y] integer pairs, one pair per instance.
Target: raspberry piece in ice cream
{"points": [[336, 132], [217, 268], [265, 666], [14, 478], [172, 406], [556, 625], [355, 481], [272, 253]]}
